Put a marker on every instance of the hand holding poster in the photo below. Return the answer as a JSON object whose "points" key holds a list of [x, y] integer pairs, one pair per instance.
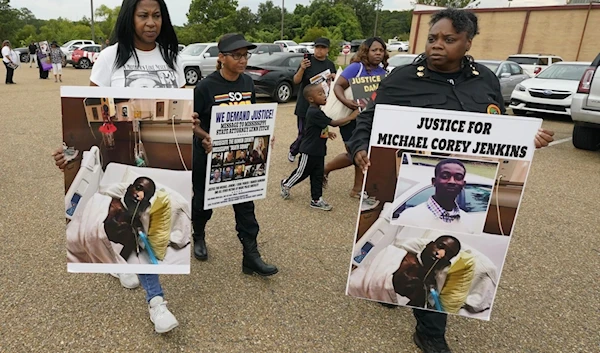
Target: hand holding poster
{"points": [[364, 89], [238, 164], [449, 208]]}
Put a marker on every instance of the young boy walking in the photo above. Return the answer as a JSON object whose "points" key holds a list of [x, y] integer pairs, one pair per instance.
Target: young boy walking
{"points": [[313, 147]]}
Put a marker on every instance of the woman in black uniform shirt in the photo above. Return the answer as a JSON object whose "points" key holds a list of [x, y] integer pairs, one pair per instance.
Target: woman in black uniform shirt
{"points": [[442, 78], [226, 86]]}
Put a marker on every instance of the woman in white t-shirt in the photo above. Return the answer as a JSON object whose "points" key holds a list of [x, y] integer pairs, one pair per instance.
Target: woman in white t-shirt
{"points": [[10, 60], [145, 55]]}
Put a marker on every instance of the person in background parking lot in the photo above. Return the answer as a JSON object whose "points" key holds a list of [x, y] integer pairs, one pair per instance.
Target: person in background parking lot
{"points": [[444, 77], [317, 64], [56, 56], [32, 53], [10, 60]]}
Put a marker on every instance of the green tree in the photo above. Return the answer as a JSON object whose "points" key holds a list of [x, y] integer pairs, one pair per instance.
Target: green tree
{"points": [[106, 18], [26, 35], [245, 20], [63, 30], [269, 16], [206, 11], [445, 3]]}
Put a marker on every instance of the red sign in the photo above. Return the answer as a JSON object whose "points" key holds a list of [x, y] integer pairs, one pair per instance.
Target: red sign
{"points": [[346, 49]]}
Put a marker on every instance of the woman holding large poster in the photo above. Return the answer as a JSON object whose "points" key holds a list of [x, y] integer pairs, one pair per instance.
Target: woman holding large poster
{"points": [[444, 77], [145, 41]]}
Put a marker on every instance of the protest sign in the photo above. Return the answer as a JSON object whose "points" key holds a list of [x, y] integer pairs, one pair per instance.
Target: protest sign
{"points": [[127, 186], [321, 79], [364, 89], [450, 185], [238, 165]]}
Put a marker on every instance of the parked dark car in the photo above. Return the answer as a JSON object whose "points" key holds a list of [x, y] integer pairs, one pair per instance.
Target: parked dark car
{"points": [[355, 44], [266, 48], [273, 74]]}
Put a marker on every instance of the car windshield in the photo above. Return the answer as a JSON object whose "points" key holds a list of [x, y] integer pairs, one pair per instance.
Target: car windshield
{"points": [[399, 60], [563, 72], [291, 43], [68, 44], [491, 66], [523, 60], [194, 49]]}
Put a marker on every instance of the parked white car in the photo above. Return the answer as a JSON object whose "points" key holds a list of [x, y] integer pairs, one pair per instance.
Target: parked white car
{"points": [[585, 109], [551, 91], [310, 46], [291, 46], [400, 60], [397, 46], [533, 64], [199, 60]]}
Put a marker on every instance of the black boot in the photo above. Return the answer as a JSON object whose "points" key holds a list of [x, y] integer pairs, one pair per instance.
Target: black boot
{"points": [[252, 262], [200, 251]]}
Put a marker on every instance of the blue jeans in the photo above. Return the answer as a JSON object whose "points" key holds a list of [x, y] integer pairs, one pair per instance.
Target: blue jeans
{"points": [[151, 285]]}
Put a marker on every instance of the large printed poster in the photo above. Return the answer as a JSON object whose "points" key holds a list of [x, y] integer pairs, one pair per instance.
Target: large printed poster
{"points": [[128, 184], [451, 184], [238, 164]]}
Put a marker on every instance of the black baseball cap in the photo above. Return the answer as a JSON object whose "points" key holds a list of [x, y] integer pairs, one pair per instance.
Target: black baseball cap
{"points": [[229, 43], [324, 42]]}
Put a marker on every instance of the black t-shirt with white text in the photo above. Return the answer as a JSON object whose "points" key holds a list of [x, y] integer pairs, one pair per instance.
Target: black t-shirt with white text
{"points": [[316, 132], [316, 67], [214, 90]]}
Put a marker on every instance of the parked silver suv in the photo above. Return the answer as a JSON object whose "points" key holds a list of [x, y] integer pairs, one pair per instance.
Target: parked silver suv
{"points": [[585, 109]]}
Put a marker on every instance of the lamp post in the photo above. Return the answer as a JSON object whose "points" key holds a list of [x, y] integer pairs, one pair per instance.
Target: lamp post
{"points": [[92, 7], [378, 5], [282, 16]]}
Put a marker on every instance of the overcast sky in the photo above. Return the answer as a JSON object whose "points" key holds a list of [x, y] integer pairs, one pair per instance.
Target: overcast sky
{"points": [[76, 9]]}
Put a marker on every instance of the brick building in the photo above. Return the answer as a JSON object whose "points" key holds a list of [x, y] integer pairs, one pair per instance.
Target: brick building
{"points": [[570, 31]]}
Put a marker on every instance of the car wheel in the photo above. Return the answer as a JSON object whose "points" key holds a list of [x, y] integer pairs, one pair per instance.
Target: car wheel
{"points": [[400, 50], [192, 75], [24, 58], [586, 138], [519, 112], [64, 62], [84, 63], [283, 92]]}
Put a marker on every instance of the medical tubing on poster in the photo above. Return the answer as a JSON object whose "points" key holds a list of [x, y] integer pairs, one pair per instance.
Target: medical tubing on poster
{"points": [[436, 299], [498, 203], [148, 247]]}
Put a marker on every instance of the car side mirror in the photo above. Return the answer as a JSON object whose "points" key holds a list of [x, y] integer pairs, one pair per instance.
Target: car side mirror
{"points": [[505, 75], [206, 55]]}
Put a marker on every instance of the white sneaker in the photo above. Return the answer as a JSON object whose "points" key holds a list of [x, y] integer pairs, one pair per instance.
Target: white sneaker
{"points": [[368, 202], [162, 318], [128, 280]]}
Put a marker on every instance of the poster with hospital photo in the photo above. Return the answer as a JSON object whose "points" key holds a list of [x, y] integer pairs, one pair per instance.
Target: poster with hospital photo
{"points": [[128, 183], [239, 161], [440, 173], [432, 270]]}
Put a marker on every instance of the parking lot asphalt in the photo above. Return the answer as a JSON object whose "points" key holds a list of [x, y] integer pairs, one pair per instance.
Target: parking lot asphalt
{"points": [[547, 301]]}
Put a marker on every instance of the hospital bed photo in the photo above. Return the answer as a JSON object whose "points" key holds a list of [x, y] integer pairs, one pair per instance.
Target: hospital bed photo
{"points": [[477, 264], [92, 180]]}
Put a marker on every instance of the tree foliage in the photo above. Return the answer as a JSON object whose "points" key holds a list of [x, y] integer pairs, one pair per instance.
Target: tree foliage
{"points": [[208, 20], [445, 3]]}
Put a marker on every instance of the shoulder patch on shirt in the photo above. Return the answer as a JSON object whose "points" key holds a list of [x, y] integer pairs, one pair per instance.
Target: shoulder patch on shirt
{"points": [[493, 109]]}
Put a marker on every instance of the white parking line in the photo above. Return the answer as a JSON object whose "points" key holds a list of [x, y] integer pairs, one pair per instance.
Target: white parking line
{"points": [[557, 142]]}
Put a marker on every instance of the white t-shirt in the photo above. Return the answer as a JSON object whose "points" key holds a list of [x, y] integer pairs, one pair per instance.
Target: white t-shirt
{"points": [[6, 53], [421, 217], [151, 72]]}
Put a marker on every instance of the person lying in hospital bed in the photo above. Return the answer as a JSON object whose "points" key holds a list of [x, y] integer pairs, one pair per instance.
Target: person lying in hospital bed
{"points": [[397, 276], [85, 239]]}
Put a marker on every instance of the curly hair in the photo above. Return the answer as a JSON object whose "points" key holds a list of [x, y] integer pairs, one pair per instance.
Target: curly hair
{"points": [[362, 55], [462, 20]]}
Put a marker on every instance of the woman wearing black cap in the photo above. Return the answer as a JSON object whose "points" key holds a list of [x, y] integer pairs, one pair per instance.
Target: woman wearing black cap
{"points": [[226, 86], [444, 77]]}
